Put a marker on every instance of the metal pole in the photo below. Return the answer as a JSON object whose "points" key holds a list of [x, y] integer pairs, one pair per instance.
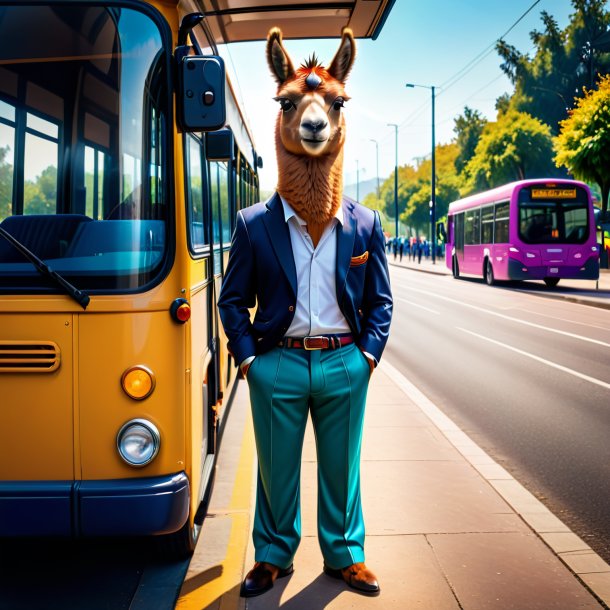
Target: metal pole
{"points": [[377, 158], [433, 208], [433, 181], [395, 178]]}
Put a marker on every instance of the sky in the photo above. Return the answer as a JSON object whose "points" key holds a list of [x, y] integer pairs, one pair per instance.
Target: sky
{"points": [[426, 43]]}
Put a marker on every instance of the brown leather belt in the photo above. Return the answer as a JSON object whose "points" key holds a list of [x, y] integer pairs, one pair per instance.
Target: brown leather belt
{"points": [[317, 342]]}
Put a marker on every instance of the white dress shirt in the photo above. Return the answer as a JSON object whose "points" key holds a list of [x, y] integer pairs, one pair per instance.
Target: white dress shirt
{"points": [[317, 311]]}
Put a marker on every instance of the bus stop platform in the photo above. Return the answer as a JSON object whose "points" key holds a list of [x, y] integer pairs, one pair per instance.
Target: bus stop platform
{"points": [[595, 293], [447, 528]]}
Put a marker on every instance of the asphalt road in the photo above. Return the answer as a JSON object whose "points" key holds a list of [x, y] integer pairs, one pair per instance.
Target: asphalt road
{"points": [[527, 378]]}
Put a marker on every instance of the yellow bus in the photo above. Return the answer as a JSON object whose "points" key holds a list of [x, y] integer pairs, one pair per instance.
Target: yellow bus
{"points": [[124, 158]]}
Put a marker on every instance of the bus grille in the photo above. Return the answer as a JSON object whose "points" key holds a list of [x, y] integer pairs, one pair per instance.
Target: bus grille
{"points": [[28, 356]]}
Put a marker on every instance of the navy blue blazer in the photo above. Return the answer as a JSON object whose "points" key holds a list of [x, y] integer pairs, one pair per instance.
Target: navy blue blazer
{"points": [[261, 272]]}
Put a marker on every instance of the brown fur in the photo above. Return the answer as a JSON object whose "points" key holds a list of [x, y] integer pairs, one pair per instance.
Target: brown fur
{"points": [[312, 182]]}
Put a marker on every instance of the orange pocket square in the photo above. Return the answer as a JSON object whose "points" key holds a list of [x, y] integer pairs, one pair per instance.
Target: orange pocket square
{"points": [[356, 261]]}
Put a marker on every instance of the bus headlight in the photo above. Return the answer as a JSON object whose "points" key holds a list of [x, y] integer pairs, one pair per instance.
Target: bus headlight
{"points": [[138, 382], [138, 442]]}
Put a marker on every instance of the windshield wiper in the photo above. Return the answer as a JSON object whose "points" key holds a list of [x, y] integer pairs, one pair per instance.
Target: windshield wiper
{"points": [[82, 298]]}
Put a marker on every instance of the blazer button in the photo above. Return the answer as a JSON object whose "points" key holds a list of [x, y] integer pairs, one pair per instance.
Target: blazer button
{"points": [[291, 308]]}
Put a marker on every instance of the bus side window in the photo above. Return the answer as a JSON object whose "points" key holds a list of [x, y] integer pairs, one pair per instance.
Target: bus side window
{"points": [[501, 223], [487, 225], [472, 227], [196, 213]]}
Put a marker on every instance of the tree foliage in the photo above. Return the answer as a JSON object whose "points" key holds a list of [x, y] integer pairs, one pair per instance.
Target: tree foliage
{"points": [[468, 129], [515, 147], [564, 62], [583, 144], [6, 184]]}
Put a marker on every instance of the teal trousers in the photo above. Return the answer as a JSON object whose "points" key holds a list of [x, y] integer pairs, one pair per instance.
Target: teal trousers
{"points": [[285, 385]]}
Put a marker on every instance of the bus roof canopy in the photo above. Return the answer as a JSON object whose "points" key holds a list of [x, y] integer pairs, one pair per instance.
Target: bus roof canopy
{"points": [[244, 20]]}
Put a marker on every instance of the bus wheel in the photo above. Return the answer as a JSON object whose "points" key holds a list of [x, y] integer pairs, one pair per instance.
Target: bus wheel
{"points": [[180, 544], [489, 273], [455, 268], [551, 282]]}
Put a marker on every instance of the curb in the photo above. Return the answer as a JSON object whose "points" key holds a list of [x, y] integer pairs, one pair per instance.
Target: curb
{"points": [[590, 569], [557, 297]]}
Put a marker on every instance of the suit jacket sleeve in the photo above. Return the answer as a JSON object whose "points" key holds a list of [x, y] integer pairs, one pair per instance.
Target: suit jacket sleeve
{"points": [[377, 299], [238, 295]]}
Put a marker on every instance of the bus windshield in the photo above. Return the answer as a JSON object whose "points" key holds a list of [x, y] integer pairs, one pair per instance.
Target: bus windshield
{"points": [[553, 215], [84, 103]]}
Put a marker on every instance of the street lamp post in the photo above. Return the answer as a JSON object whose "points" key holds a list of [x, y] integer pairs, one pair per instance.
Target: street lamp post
{"points": [[377, 157], [433, 181], [395, 178]]}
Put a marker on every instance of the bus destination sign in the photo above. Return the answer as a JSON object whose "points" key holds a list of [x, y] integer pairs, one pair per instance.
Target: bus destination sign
{"points": [[553, 193]]}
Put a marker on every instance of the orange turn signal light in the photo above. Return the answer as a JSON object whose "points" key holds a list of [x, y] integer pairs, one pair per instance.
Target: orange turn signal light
{"points": [[138, 382]]}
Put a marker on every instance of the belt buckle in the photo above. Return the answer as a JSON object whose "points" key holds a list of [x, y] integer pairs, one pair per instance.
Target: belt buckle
{"points": [[306, 346]]}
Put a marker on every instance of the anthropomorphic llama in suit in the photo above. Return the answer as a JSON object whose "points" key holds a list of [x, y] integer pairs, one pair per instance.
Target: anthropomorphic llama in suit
{"points": [[313, 264]]}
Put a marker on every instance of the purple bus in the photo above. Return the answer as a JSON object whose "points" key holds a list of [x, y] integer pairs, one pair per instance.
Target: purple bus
{"points": [[527, 230]]}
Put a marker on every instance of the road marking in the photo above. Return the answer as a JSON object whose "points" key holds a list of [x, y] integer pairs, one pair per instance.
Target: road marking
{"points": [[546, 315], [559, 367], [417, 305], [517, 320]]}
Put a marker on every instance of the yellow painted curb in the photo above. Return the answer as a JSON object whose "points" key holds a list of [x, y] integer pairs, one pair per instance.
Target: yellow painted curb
{"points": [[222, 592]]}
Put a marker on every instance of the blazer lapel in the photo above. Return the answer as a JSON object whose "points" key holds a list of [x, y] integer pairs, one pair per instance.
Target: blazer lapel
{"points": [[279, 236], [346, 234]]}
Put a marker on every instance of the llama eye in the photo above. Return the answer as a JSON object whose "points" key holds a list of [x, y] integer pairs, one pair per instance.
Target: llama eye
{"points": [[338, 104], [286, 104]]}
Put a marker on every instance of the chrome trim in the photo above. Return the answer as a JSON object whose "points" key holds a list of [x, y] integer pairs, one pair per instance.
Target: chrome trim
{"points": [[154, 433]]}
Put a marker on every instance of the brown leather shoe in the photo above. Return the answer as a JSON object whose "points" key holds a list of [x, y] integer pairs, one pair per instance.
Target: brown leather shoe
{"points": [[261, 578], [357, 576]]}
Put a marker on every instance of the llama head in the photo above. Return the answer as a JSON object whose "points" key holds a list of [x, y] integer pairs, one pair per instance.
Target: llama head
{"points": [[311, 98]]}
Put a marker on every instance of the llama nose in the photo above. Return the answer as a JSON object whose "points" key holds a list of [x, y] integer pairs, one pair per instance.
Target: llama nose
{"points": [[314, 126]]}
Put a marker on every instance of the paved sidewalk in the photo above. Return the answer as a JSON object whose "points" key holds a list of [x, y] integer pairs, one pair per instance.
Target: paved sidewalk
{"points": [[586, 292], [447, 527]]}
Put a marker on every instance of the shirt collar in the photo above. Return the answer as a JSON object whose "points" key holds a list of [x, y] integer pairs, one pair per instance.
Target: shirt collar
{"points": [[289, 213]]}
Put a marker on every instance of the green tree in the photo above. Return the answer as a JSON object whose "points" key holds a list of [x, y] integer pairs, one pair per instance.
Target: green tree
{"points": [[417, 213], [468, 129], [583, 144], [564, 62], [515, 147], [6, 184]]}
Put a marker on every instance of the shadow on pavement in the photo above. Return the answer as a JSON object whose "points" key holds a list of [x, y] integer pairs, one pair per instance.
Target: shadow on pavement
{"points": [[93, 574]]}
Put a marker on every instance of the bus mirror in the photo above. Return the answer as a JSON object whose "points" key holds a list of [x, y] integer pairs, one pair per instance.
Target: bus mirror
{"points": [[440, 231], [219, 145], [201, 93], [259, 162]]}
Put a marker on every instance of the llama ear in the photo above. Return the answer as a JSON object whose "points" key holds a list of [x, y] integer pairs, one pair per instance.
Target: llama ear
{"points": [[277, 57], [344, 59]]}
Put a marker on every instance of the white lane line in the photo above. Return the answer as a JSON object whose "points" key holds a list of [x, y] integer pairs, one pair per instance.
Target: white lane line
{"points": [[546, 315], [517, 320], [559, 367], [417, 305]]}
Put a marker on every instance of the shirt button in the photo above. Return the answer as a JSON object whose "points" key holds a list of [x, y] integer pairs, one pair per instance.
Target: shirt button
{"points": [[291, 308]]}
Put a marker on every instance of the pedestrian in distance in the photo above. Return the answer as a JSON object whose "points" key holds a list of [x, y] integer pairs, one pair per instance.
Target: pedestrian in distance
{"points": [[320, 326], [401, 248]]}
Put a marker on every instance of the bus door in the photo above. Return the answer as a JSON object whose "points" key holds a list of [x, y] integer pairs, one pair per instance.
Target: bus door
{"points": [[199, 238], [458, 237]]}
